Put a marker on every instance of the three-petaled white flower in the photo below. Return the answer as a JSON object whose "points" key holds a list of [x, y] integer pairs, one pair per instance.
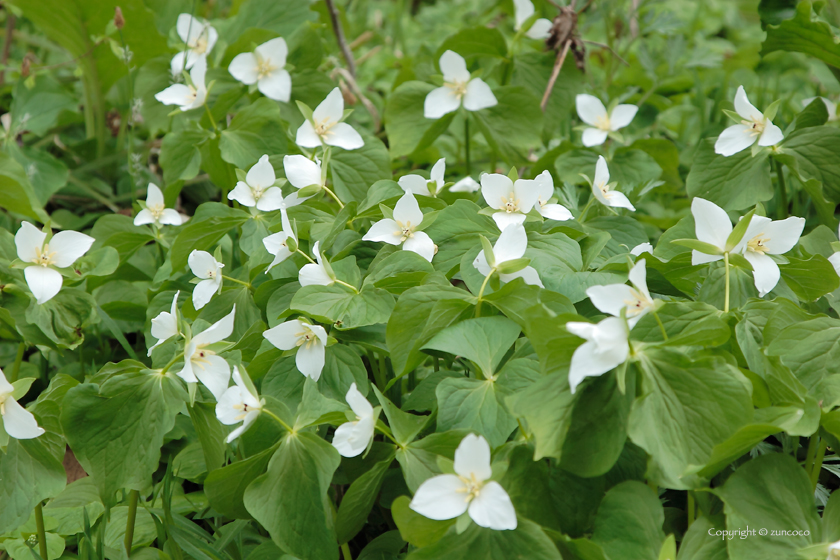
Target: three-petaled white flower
{"points": [[754, 127], [606, 347], [238, 404], [310, 340], [18, 422], [203, 364], [266, 68], [209, 270], [635, 299], [602, 190], [511, 245], [402, 229], [457, 88], [711, 225], [765, 237], [326, 126], [199, 37], [545, 190], [352, 438], [513, 200], [156, 211], [187, 96], [165, 325], [302, 172], [315, 273], [418, 184], [523, 9], [830, 106], [448, 496], [467, 185], [61, 251], [258, 190], [278, 243], [591, 110]]}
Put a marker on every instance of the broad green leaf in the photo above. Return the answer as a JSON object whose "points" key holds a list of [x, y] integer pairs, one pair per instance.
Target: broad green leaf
{"points": [[803, 33], [404, 426], [484, 340], [282, 17], [180, 156], [354, 171], [512, 126], [66, 508], [211, 222], [475, 42], [547, 407], [628, 525], [478, 542], [119, 232], [387, 545], [810, 278], [698, 545], [531, 70], [733, 183], [408, 129], [630, 167], [811, 349], [18, 194], [686, 323], [348, 310], [815, 114], [475, 405], [812, 150], [30, 474], [254, 131], [398, 271], [210, 433], [38, 109], [419, 459], [225, 487], [359, 500], [455, 231], [64, 317], [414, 528]]}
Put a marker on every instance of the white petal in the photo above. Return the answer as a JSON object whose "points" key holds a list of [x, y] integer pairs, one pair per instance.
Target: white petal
{"points": [[318, 331], [472, 458], [310, 360], [272, 199], [602, 172], [734, 139], [478, 96], [415, 184], [619, 200], [226, 407], [212, 37], [611, 298], [744, 108], [215, 374], [261, 175], [385, 231], [171, 217], [242, 194], [439, 102], [593, 137], [440, 497], [43, 282], [835, 262], [285, 335], [188, 27], [306, 136], [511, 244], [527, 193], [588, 361], [503, 219], [771, 136], [541, 29], [783, 234], [19, 422], [438, 172], [243, 67], [493, 509], [301, 171], [344, 136], [766, 272], [199, 71], [421, 244], [331, 108], [203, 293], [218, 331], [496, 189], [276, 244], [358, 403], [583, 330], [555, 212], [69, 246], [622, 115], [590, 109], [528, 274], [202, 262], [523, 9], [407, 210], [186, 372], [314, 274], [711, 223], [164, 327], [154, 196], [453, 67], [5, 386], [352, 438], [238, 431], [277, 85], [641, 248], [176, 66], [702, 258], [176, 94], [544, 185], [275, 51], [467, 184], [638, 277], [29, 240], [480, 263]]}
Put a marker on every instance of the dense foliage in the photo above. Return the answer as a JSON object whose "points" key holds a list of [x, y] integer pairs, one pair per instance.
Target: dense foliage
{"points": [[439, 279]]}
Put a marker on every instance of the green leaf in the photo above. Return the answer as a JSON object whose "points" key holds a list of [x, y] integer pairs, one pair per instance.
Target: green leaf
{"points": [[484, 340], [63, 317], [225, 487], [512, 126], [815, 114], [415, 528], [812, 150], [408, 129], [180, 156], [733, 183], [30, 474], [117, 430], [354, 171], [211, 222], [810, 278], [630, 167], [404, 426], [119, 232], [698, 545], [289, 500], [698, 245], [475, 42], [629, 522], [811, 349], [211, 434], [398, 271], [687, 324], [359, 500], [803, 34], [532, 70], [282, 17], [254, 131], [547, 407], [337, 304], [475, 405], [18, 194], [456, 231]]}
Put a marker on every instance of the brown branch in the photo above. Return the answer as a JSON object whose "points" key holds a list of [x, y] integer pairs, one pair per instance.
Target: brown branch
{"points": [[339, 36], [558, 65], [7, 44]]}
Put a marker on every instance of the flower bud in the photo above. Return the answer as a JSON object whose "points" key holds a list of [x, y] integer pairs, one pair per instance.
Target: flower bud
{"points": [[119, 20]]}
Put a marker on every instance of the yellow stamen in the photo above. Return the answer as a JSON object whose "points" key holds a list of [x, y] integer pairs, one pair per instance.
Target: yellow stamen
{"points": [[758, 244], [602, 122], [44, 256], [510, 205]]}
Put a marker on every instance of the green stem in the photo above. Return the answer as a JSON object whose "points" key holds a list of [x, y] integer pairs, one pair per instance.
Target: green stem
{"points": [[726, 295], [133, 497], [307, 257], [481, 293], [810, 453], [278, 420], [18, 359], [387, 435], [467, 142], [345, 552], [377, 373], [818, 461], [212, 120], [42, 534], [661, 326], [343, 283], [171, 363], [691, 508], [246, 284], [332, 194], [585, 209], [783, 199]]}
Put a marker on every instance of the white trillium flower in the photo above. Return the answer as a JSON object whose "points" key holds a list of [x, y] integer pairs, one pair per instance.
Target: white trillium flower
{"points": [[206, 267], [63, 250], [418, 184], [165, 325], [237, 404], [326, 126], [401, 230], [302, 172], [202, 364], [754, 127], [258, 190], [766, 237], [830, 106], [711, 225], [156, 211], [310, 340], [278, 243], [448, 496], [545, 190], [511, 245], [352, 438], [315, 273], [513, 200], [199, 36], [591, 110], [524, 9], [641, 248], [18, 422], [606, 347], [602, 190], [833, 551], [187, 96], [266, 68], [613, 298], [467, 185], [457, 88]]}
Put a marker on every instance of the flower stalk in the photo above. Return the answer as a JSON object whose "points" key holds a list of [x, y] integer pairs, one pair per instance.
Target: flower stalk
{"points": [[133, 498], [42, 534]]}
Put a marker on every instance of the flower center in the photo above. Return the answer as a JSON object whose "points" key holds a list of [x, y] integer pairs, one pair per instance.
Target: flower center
{"points": [[44, 256], [605, 190], [156, 210], [199, 45], [511, 204], [756, 127], [201, 357], [322, 127], [306, 338], [264, 67], [211, 274], [602, 122], [458, 88], [637, 303], [405, 231], [472, 487], [758, 244], [257, 191]]}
